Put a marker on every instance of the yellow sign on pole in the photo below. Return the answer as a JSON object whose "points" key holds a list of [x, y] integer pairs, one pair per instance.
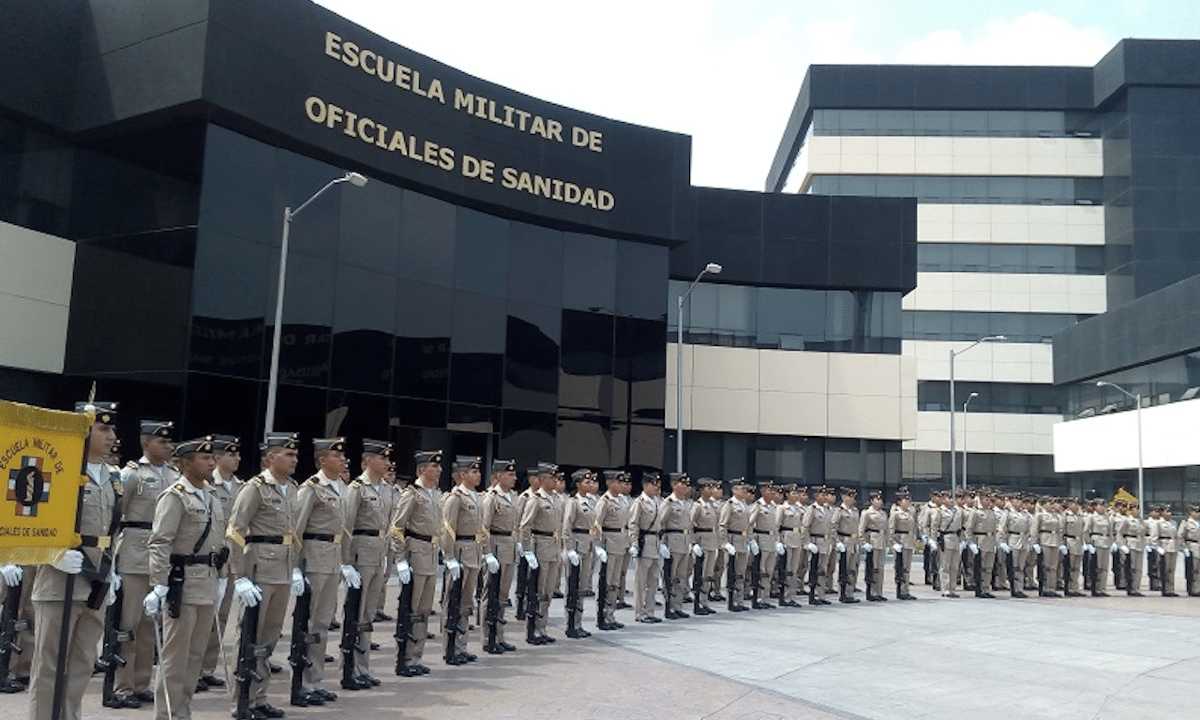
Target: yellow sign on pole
{"points": [[1125, 496], [41, 470]]}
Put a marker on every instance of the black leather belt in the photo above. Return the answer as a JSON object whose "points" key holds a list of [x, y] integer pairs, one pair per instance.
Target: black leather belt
{"points": [[668, 532], [581, 530], [213, 559], [611, 529], [702, 530], [1069, 536], [542, 533], [417, 536], [464, 538], [768, 532], [785, 528], [501, 533], [137, 524], [1133, 536], [323, 537], [93, 540], [949, 532], [815, 535], [361, 531], [983, 534], [842, 534], [265, 539]]}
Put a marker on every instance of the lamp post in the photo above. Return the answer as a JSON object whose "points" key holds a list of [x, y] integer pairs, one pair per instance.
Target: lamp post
{"points": [[968, 402], [714, 269], [953, 354], [1137, 398], [354, 179]]}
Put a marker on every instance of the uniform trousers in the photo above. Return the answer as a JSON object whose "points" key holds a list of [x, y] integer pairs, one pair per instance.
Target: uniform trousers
{"points": [[766, 568], [134, 675], [212, 653], [794, 567], [22, 663], [424, 587], [875, 580], [548, 578], [1051, 558], [987, 564], [613, 582], [951, 559], [466, 603], [1167, 571], [681, 565], [1103, 560], [86, 630], [372, 584], [903, 574], [645, 579], [185, 640], [506, 578], [272, 610], [322, 604], [1072, 570]]}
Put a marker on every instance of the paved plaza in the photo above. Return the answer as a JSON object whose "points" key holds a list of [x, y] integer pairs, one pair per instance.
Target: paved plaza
{"points": [[1066, 659]]}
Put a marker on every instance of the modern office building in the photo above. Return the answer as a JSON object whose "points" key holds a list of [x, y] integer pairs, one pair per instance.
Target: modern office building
{"points": [[500, 286], [1047, 195]]}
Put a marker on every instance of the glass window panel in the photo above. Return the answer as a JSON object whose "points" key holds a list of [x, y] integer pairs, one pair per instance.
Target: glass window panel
{"points": [[589, 273], [481, 253], [427, 238], [535, 264], [1005, 123], [895, 122], [969, 122], [933, 122], [1008, 258]]}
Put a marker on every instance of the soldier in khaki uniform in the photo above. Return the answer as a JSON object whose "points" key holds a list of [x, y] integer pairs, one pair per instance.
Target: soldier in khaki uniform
{"points": [[1013, 538], [224, 486], [764, 528], [818, 528], [264, 557], [462, 538], [1164, 538], [1189, 542], [676, 538], [366, 515], [873, 529], [979, 531], [845, 525], [578, 526], [734, 526], [541, 523], [704, 515], [500, 522], [1131, 532], [645, 522], [49, 587], [613, 544], [790, 516], [415, 528], [187, 564], [947, 524], [902, 533], [1098, 534], [141, 484], [1046, 532], [1074, 538], [717, 500]]}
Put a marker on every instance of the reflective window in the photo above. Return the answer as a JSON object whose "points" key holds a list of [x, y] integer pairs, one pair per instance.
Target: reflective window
{"points": [[991, 190], [1006, 258], [993, 397], [962, 123], [970, 326], [1169, 380]]}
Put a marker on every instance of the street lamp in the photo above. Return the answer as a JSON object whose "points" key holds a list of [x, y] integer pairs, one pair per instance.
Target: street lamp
{"points": [[968, 402], [953, 354], [1141, 469], [354, 179], [714, 269]]}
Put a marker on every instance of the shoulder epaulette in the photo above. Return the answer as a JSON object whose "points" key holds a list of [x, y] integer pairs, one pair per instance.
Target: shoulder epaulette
{"points": [[312, 481], [131, 465], [356, 484], [177, 488]]}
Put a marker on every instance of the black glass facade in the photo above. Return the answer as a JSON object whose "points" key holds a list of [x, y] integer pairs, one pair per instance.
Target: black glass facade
{"points": [[953, 123], [966, 189], [1011, 258], [964, 326]]}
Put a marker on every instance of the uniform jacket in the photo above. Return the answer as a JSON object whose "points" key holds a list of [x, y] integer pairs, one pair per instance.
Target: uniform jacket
{"points": [[462, 525], [416, 526], [676, 524], [365, 513], [790, 518], [610, 524], [320, 512], [579, 520], [500, 523], [265, 507], [873, 526], [141, 484], [902, 527], [704, 517], [734, 523], [818, 526], [95, 520], [188, 521]]}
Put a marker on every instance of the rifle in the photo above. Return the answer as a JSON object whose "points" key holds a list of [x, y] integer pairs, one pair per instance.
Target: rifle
{"points": [[781, 574], [601, 593], [454, 615], [697, 583], [110, 650], [899, 570], [522, 580], [755, 578], [668, 583], [1041, 572], [493, 612], [533, 605], [843, 572], [8, 637], [298, 650], [1008, 567], [249, 653], [404, 627], [814, 577], [574, 606], [871, 574], [978, 567], [1189, 573], [731, 579], [352, 629]]}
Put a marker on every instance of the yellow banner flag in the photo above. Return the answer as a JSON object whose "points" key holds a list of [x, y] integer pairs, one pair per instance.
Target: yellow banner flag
{"points": [[41, 466], [1125, 496]]}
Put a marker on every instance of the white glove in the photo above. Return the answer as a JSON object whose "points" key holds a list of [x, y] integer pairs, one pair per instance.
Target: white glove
{"points": [[1162, 551], [812, 548], [841, 547], [1063, 549], [1005, 548], [352, 577], [573, 558], [925, 539], [297, 582], [404, 572], [868, 547], [531, 559], [1037, 548], [699, 551], [493, 565], [114, 580], [454, 568], [12, 574], [897, 548], [1090, 549], [1125, 549], [222, 586], [1187, 552], [601, 554], [1114, 548], [664, 552], [974, 548], [70, 562], [752, 546], [780, 549], [633, 551], [153, 601], [730, 550], [247, 592], [520, 549]]}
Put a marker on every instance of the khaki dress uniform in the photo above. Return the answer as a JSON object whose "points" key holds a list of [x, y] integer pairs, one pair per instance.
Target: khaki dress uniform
{"points": [[1098, 529], [1046, 532], [623, 576], [1074, 538], [225, 490], [389, 495], [947, 525], [262, 528], [321, 525], [187, 534], [1015, 534], [579, 519], [141, 484], [790, 516], [1131, 532], [645, 524], [704, 516], [462, 524], [610, 524], [926, 521], [1164, 538], [676, 527], [980, 530], [818, 528], [415, 528], [902, 531], [1189, 541], [734, 527], [541, 523], [86, 623], [845, 525], [764, 523], [500, 521], [873, 529], [366, 514]]}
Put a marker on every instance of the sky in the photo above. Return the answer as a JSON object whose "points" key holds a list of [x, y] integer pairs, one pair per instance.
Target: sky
{"points": [[726, 72]]}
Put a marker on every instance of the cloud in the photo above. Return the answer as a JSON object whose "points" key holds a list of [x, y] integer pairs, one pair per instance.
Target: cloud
{"points": [[1035, 38]]}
